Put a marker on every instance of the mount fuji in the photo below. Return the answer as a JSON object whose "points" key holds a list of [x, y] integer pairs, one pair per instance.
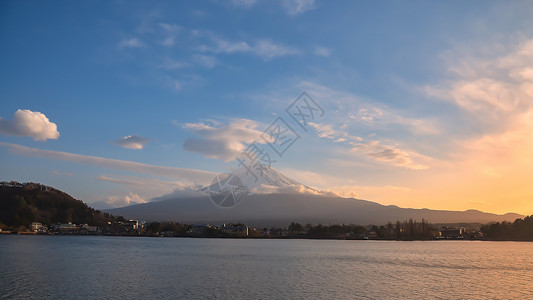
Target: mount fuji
{"points": [[226, 190], [277, 200]]}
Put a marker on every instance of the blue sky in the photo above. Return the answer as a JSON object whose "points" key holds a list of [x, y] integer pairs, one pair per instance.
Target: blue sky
{"points": [[428, 104]]}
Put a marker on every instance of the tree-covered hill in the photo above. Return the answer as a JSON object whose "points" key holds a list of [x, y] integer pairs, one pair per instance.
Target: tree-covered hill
{"points": [[519, 230], [23, 203]]}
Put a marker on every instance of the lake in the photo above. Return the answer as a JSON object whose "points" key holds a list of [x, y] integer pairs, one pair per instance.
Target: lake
{"points": [[101, 267]]}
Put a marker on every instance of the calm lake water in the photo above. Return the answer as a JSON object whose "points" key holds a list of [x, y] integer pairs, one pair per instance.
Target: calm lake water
{"points": [[76, 267]]}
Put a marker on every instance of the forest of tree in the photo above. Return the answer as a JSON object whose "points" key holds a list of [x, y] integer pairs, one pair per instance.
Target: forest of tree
{"points": [[519, 230], [406, 230], [24, 203]]}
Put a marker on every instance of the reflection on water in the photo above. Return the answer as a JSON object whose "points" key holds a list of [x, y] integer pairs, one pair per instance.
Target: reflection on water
{"points": [[75, 267]]}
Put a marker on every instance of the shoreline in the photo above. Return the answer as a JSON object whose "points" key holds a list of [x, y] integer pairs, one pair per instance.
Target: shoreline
{"points": [[260, 237]]}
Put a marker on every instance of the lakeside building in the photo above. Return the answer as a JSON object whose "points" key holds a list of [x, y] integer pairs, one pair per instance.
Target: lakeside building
{"points": [[198, 229], [452, 233], [89, 229], [129, 226], [235, 229], [273, 231], [37, 227], [64, 228]]}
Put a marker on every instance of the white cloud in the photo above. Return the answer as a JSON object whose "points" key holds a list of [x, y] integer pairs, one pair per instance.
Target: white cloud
{"points": [[224, 46], [143, 183], [296, 7], [134, 142], [131, 43], [291, 7], [268, 49], [361, 113], [364, 192], [224, 142], [392, 155], [191, 175], [171, 64], [120, 201], [492, 90], [244, 3], [322, 51], [205, 60], [176, 84], [496, 95], [29, 123], [61, 173], [289, 189], [373, 116], [171, 33], [340, 186], [373, 149], [183, 81], [264, 48], [349, 117], [181, 192], [327, 131], [145, 188], [119, 181]]}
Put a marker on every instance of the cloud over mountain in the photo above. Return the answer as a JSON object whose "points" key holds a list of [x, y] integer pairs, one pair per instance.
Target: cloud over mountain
{"points": [[222, 141]]}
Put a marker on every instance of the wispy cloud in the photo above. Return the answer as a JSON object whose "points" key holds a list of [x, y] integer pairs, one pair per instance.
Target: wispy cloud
{"points": [[144, 185], [364, 111], [29, 123], [268, 49], [145, 188], [365, 128], [244, 3], [296, 7], [185, 80], [62, 173], [392, 155], [373, 149], [205, 60], [327, 131], [124, 200], [495, 93], [343, 187], [495, 89], [131, 43], [291, 7], [222, 141], [171, 32], [172, 64], [134, 142], [264, 48], [123, 165], [119, 181], [322, 51]]}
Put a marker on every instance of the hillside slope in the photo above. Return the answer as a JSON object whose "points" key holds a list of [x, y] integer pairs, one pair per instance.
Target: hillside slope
{"points": [[23, 203]]}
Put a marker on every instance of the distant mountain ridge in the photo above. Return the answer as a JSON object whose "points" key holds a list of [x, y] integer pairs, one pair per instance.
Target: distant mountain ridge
{"points": [[23, 203], [282, 209], [279, 200]]}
